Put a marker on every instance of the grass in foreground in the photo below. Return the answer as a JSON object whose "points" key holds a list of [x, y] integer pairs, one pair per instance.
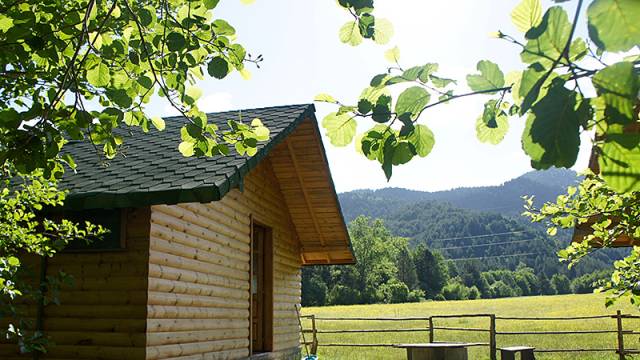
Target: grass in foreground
{"points": [[535, 306]]}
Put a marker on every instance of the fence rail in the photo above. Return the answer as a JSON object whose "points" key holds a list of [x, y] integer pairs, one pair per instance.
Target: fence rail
{"points": [[491, 330]]}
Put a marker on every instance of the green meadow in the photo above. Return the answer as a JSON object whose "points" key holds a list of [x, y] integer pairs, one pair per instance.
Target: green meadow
{"points": [[535, 306]]}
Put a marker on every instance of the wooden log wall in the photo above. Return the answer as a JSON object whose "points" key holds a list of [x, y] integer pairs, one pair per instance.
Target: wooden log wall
{"points": [[103, 315], [199, 257]]}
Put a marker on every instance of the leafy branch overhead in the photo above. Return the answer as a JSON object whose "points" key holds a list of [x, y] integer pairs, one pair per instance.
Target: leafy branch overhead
{"points": [[559, 92], [364, 24], [607, 219], [60, 59]]}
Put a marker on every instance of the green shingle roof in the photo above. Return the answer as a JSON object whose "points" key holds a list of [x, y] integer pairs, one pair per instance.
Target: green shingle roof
{"points": [[153, 171]]}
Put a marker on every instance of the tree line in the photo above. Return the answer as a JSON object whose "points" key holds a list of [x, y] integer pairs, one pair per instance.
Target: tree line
{"points": [[390, 270]]}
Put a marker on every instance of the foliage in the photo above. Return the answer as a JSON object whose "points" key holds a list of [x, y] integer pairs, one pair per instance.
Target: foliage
{"points": [[24, 234], [588, 282], [394, 291], [474, 293], [407, 267], [456, 291], [431, 270], [561, 283], [426, 274], [548, 91], [61, 58], [364, 24], [500, 289], [607, 216], [314, 291]]}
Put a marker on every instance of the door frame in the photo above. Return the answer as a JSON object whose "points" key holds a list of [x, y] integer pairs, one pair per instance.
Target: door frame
{"points": [[267, 318]]}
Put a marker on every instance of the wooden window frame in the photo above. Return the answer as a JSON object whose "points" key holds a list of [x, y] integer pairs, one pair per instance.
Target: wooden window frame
{"points": [[124, 212]]}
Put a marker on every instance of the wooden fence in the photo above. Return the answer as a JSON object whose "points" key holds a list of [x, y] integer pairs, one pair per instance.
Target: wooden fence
{"points": [[491, 331]]}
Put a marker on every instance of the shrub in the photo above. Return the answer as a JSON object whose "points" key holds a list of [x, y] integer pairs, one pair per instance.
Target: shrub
{"points": [[474, 293], [394, 291], [585, 283], [561, 283], [314, 292], [416, 295], [499, 290], [455, 291], [343, 295]]}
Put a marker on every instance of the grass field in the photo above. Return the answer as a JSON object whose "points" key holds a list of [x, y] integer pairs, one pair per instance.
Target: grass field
{"points": [[536, 306]]}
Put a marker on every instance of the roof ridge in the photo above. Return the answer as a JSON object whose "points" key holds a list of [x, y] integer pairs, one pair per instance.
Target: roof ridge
{"points": [[248, 109]]}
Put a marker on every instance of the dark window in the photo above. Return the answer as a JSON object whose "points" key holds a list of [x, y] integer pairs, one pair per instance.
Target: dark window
{"points": [[111, 219]]}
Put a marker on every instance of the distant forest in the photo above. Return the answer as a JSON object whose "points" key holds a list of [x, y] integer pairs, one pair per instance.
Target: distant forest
{"points": [[458, 244]]}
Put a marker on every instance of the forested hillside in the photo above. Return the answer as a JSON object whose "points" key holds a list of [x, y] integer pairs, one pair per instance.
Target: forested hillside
{"points": [[481, 222], [462, 243]]}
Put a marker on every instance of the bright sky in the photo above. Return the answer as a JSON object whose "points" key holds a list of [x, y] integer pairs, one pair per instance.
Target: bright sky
{"points": [[303, 57]]}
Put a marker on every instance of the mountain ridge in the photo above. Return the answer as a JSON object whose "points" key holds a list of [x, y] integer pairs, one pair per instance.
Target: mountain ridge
{"points": [[505, 198]]}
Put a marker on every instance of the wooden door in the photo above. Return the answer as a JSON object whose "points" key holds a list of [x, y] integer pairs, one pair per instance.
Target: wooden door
{"points": [[261, 289]]}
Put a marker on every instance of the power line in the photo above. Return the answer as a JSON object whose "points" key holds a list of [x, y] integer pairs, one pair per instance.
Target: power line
{"points": [[478, 236], [495, 256], [480, 245]]}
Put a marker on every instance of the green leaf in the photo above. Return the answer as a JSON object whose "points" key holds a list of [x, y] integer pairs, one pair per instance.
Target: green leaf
{"points": [[158, 122], [614, 24], [441, 82], [527, 14], [422, 139], [392, 55], [411, 102], [223, 28], [186, 148], [551, 136], [99, 76], [378, 80], [13, 261], [245, 73], [547, 40], [210, 4], [6, 23], [192, 94], [413, 73], [365, 25], [175, 41], [490, 77], [620, 162], [577, 50], [350, 34], [382, 109], [383, 31], [372, 94], [427, 70], [493, 125], [618, 86], [340, 128], [402, 153], [533, 85], [325, 98], [218, 67]]}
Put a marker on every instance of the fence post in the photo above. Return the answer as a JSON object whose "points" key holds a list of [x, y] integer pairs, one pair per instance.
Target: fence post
{"points": [[620, 336], [431, 335], [492, 336], [314, 339]]}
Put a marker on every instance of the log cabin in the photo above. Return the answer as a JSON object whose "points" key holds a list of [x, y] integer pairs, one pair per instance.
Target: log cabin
{"points": [[204, 255]]}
